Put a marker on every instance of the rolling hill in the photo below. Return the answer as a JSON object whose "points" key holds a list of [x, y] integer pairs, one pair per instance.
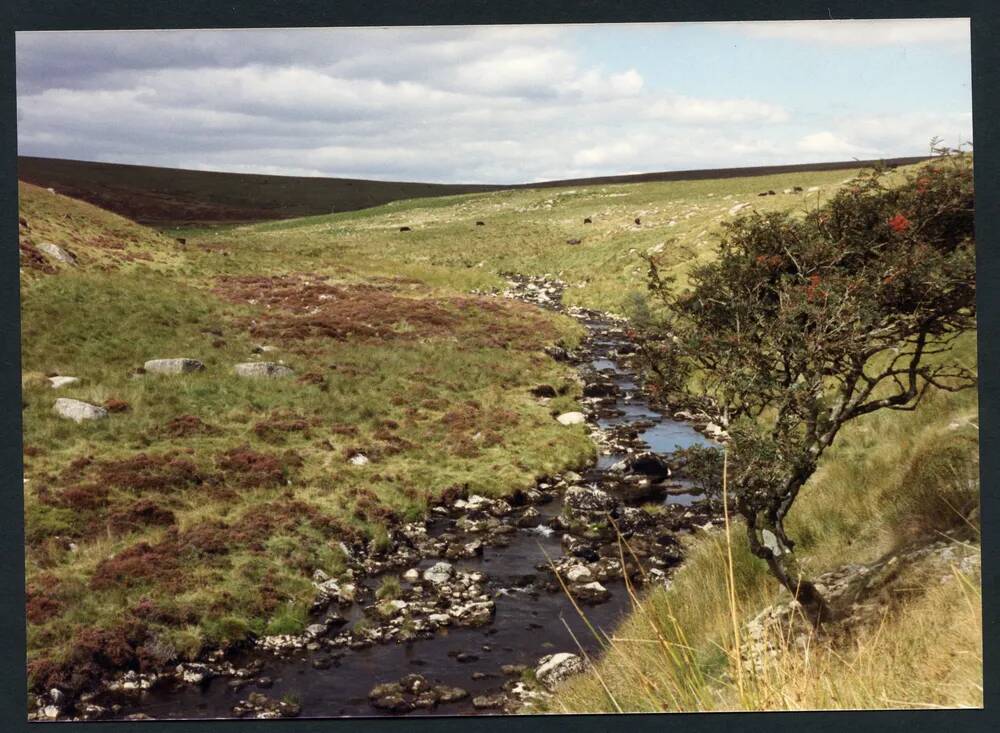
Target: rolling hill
{"points": [[168, 197]]}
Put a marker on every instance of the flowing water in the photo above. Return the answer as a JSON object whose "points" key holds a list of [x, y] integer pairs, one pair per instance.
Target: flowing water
{"points": [[530, 620]]}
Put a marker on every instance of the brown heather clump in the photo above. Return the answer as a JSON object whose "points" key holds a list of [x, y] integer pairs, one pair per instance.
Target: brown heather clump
{"points": [[159, 473], [184, 426], [140, 514], [244, 468], [275, 428]]}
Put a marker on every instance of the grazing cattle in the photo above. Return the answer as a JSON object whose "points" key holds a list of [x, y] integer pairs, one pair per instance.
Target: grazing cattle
{"points": [[587, 221], [797, 189], [770, 193], [762, 193], [181, 240], [638, 221], [404, 229], [572, 241], [480, 223]]}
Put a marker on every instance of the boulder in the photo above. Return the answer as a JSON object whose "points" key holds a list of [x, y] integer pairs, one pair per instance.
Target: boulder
{"points": [[173, 366], [554, 668], [78, 410], [572, 418], [57, 253], [439, 572], [588, 499], [262, 369], [579, 574], [59, 382], [592, 592], [649, 464]]}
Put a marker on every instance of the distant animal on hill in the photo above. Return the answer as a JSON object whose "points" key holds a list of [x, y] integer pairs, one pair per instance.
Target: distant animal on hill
{"points": [[638, 221], [181, 240], [573, 241], [480, 223], [762, 193], [797, 189], [404, 229], [587, 221], [770, 193]]}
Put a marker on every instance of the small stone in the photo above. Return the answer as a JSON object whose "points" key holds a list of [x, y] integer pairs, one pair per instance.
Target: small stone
{"points": [[572, 418], [57, 253], [554, 668], [59, 382], [439, 573], [259, 369], [77, 410], [487, 702], [173, 366]]}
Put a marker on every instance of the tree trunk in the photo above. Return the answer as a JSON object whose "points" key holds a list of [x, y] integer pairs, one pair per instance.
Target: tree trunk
{"points": [[769, 542]]}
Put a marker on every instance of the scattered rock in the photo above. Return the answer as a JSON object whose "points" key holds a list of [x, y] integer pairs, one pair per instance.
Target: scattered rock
{"points": [[592, 592], [59, 382], [489, 702], [78, 410], [262, 369], [554, 668], [438, 573], [173, 366], [57, 253], [572, 418]]}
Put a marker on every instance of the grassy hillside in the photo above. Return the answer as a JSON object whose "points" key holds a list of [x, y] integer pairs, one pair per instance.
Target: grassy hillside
{"points": [[172, 197], [202, 504], [529, 231], [202, 507]]}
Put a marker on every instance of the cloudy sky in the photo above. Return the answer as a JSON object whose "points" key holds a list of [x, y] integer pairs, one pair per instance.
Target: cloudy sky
{"points": [[495, 104]]}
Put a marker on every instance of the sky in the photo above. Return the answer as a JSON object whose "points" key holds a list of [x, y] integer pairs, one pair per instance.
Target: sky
{"points": [[495, 104]]}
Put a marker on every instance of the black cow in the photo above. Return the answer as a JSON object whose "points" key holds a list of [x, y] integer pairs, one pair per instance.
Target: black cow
{"points": [[404, 229]]}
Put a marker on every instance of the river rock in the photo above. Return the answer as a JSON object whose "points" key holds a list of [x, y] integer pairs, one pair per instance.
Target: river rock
{"points": [[489, 702], [587, 499], [57, 253], [476, 613], [447, 694], [590, 592], [59, 382], [173, 366], [439, 572], [572, 418], [267, 369], [554, 668], [579, 574], [78, 410], [529, 518]]}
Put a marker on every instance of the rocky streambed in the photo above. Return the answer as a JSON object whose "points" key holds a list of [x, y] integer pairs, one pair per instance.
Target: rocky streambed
{"points": [[464, 613]]}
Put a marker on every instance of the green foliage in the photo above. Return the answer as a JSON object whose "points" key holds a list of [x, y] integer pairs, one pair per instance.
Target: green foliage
{"points": [[802, 324]]}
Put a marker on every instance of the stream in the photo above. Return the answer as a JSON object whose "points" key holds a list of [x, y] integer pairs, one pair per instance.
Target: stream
{"points": [[531, 615]]}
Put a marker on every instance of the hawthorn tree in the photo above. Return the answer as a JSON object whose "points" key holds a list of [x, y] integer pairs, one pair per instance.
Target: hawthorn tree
{"points": [[805, 322]]}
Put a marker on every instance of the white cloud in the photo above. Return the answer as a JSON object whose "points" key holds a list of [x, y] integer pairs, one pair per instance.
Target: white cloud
{"points": [[882, 32], [497, 105]]}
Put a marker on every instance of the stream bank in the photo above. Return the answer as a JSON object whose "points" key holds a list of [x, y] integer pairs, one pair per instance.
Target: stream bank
{"points": [[475, 620]]}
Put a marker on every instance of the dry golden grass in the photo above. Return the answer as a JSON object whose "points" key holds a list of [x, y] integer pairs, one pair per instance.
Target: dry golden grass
{"points": [[894, 479]]}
